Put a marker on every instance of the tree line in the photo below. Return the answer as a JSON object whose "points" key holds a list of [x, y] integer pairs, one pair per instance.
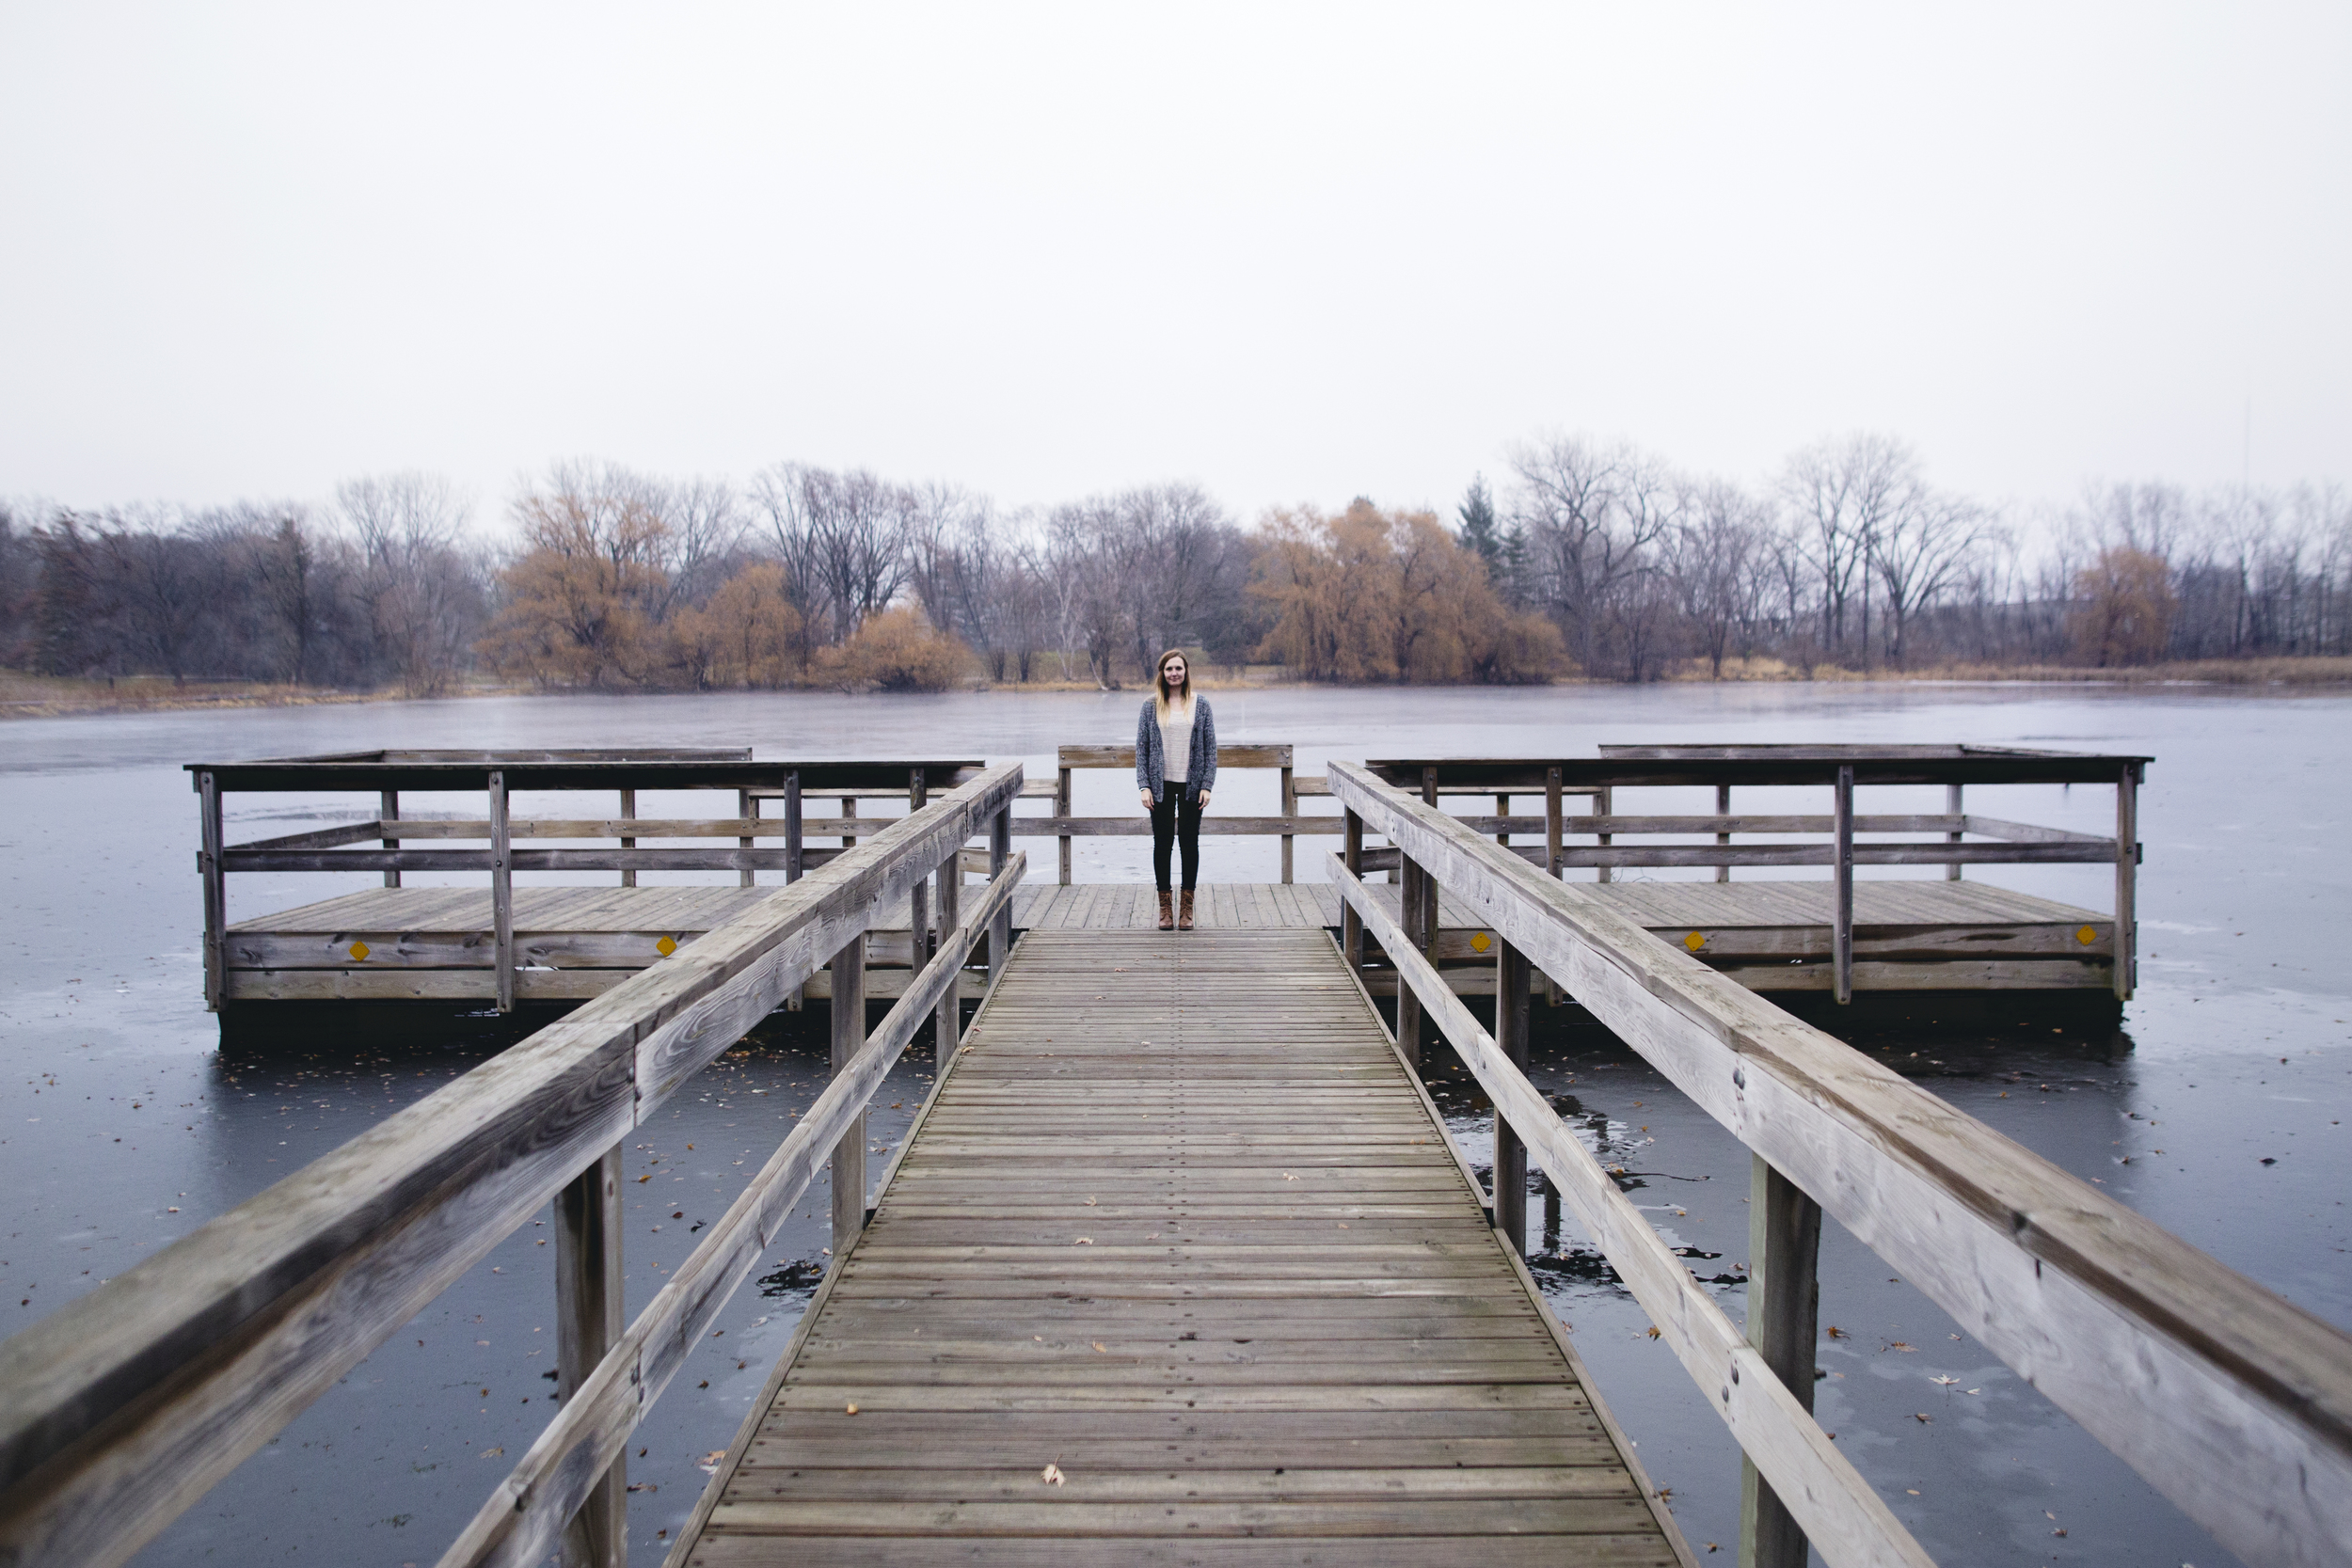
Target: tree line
{"points": [[1589, 558]]}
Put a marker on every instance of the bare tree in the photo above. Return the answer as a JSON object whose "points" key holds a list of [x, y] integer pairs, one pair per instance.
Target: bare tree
{"points": [[1717, 563], [1923, 552], [844, 538], [420, 586], [1592, 518], [1844, 492]]}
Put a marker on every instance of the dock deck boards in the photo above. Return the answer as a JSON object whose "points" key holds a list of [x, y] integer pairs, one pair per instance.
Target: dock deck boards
{"points": [[1178, 1223], [577, 942]]}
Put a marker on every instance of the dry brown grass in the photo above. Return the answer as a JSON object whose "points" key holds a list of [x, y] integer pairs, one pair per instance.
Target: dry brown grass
{"points": [[2207, 672], [24, 696]]}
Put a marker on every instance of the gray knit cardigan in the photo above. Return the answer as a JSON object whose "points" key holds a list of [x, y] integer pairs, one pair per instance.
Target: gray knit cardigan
{"points": [[1152, 754]]}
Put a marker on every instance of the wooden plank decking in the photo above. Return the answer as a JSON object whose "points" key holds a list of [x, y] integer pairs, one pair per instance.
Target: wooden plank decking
{"points": [[1179, 1224], [578, 941]]}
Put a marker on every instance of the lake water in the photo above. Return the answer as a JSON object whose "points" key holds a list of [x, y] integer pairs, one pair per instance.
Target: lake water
{"points": [[126, 1119]]}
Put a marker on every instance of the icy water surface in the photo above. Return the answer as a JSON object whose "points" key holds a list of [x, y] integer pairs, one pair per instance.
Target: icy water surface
{"points": [[129, 1117]]}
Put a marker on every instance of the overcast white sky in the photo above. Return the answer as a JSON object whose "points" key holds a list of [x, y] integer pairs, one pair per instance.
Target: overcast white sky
{"points": [[1293, 253]]}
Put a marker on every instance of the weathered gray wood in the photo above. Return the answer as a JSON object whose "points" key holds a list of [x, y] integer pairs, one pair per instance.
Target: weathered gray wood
{"points": [[1723, 838], [1228, 756], [748, 809], [590, 1316], [502, 893], [949, 1012], [1140, 827], [1604, 805], [209, 869], [795, 860], [1841, 910], [848, 974], [628, 811], [118, 1415], [1784, 1317], [388, 809], [519, 1521], [1290, 808], [999, 856], [1062, 809], [2107, 1314], [1841, 1512], [1351, 927], [1510, 1177], [2126, 877], [1953, 796]]}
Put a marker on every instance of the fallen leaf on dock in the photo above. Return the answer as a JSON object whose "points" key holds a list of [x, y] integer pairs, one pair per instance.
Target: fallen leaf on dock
{"points": [[1834, 1332], [1653, 1331], [1923, 1420], [1051, 1475], [849, 1409], [491, 1453], [1946, 1382], [1083, 1241]]}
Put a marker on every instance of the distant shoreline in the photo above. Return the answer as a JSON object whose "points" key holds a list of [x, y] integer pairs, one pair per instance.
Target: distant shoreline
{"points": [[27, 696]]}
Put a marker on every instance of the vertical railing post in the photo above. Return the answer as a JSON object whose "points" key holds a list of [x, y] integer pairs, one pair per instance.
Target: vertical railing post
{"points": [[1409, 876], [848, 814], [2126, 880], [589, 1318], [1061, 809], [1604, 804], [1352, 924], [1000, 927], [1723, 808], [847, 969], [1784, 1312], [1551, 857], [792, 868], [1842, 913], [1510, 1208], [629, 813], [388, 808], [744, 807], [950, 1016], [1502, 808], [502, 891], [208, 868], [919, 895], [1952, 807], [1290, 809]]}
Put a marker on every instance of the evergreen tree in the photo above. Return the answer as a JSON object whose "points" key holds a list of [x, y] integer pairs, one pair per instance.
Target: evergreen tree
{"points": [[1502, 549]]}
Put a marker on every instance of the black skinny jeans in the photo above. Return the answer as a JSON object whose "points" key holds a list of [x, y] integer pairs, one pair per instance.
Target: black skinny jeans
{"points": [[1176, 819]]}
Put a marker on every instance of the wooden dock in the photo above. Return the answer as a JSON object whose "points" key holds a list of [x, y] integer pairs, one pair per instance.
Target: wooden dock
{"points": [[1179, 1265], [575, 942]]}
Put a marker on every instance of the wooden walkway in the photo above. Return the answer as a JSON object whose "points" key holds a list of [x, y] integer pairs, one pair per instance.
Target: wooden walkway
{"points": [[575, 943], [1178, 1266]]}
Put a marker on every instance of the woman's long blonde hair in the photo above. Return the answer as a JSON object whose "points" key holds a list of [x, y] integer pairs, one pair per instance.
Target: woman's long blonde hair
{"points": [[1160, 693]]}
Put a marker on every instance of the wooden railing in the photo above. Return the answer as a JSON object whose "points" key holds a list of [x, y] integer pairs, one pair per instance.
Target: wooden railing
{"points": [[2233, 1402], [119, 1413], [500, 775]]}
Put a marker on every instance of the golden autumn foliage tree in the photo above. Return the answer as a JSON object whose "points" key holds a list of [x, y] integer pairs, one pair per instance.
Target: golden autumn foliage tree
{"points": [[899, 650], [1373, 595], [582, 602], [2124, 610], [747, 636]]}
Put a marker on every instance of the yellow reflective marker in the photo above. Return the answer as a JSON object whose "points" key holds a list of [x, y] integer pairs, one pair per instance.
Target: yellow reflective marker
{"points": [[359, 951], [1480, 942], [1696, 940], [2086, 936], [666, 946]]}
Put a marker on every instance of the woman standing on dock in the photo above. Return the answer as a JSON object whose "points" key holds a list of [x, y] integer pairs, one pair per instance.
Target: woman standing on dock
{"points": [[1175, 766]]}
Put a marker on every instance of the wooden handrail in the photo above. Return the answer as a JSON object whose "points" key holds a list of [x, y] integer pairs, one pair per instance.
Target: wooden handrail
{"points": [[2232, 1402], [1837, 1508], [117, 1416], [521, 1523]]}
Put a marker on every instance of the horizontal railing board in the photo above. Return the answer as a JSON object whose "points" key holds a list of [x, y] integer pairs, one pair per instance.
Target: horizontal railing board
{"points": [[1239, 755], [2231, 1401], [1842, 1516], [116, 1415], [1518, 775], [278, 776]]}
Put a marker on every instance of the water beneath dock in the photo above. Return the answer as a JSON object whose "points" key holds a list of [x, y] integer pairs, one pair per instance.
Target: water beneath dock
{"points": [[2216, 1110]]}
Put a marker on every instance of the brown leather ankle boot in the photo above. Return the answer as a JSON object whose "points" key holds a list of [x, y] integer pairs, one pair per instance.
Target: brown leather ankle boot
{"points": [[1183, 916], [1168, 912]]}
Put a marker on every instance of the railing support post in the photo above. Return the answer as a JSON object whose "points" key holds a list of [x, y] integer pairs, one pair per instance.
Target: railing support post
{"points": [[628, 811], [388, 807], [949, 1016], [502, 891], [1000, 927], [1290, 809], [1723, 808], [746, 807], [1510, 1206], [1841, 934], [1061, 809], [1409, 880], [1551, 857], [919, 895], [1352, 924], [1952, 808], [1784, 1317], [589, 1318], [208, 868], [792, 867], [2126, 878], [847, 969]]}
